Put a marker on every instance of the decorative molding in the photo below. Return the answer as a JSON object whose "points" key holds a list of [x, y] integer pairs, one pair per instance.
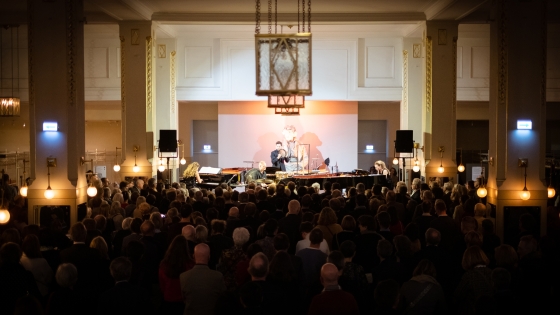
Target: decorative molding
{"points": [[428, 73], [149, 73], [454, 87], [544, 35], [134, 37], [416, 50], [162, 51], [30, 61], [404, 114], [70, 52], [172, 81], [502, 58], [123, 72], [442, 37]]}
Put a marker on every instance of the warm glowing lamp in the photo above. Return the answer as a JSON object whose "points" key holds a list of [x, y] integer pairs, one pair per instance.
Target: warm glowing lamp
{"points": [[161, 168], [4, 213], [395, 161], [482, 192], [525, 194], [416, 168], [136, 168], [49, 193], [551, 192], [23, 191], [92, 191], [116, 167], [461, 168], [183, 161], [440, 169]]}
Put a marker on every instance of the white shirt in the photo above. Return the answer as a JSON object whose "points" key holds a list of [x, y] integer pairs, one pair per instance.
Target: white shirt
{"points": [[305, 243]]}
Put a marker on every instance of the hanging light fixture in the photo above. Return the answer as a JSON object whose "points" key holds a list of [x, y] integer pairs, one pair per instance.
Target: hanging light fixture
{"points": [[461, 167], [9, 105], [4, 213], [182, 145], [550, 190], [283, 62], [91, 190], [49, 193], [117, 167], [525, 194], [23, 189], [481, 192], [135, 168], [440, 168], [161, 167], [416, 167]]}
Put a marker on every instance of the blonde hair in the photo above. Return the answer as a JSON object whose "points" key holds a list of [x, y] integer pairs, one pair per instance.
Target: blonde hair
{"points": [[381, 163], [99, 243], [191, 170]]}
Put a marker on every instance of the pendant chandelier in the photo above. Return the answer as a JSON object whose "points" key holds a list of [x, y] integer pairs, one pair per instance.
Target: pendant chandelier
{"points": [[283, 62], [9, 105]]}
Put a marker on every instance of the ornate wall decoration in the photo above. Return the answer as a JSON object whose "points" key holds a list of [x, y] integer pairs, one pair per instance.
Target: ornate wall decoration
{"points": [[149, 73], [405, 85], [442, 37], [70, 52], [162, 51], [30, 60], [428, 73], [454, 89], [123, 89], [134, 37], [416, 50], [502, 57], [173, 97]]}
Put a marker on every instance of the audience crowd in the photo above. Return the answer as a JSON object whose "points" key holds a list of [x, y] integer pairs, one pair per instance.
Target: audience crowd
{"points": [[144, 248]]}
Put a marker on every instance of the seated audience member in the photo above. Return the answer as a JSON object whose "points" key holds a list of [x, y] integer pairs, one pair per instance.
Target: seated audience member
{"points": [[177, 260], [15, 281], [423, 284], [123, 298], [65, 301], [333, 300], [201, 286], [386, 296], [305, 228]]}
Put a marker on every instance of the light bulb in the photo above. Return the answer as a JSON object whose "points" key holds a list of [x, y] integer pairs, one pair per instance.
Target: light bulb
{"points": [[4, 216], [416, 168], [116, 167], [183, 161], [395, 161], [92, 191], [551, 192], [23, 191], [161, 168], [461, 168], [49, 193], [440, 169], [136, 169], [481, 192], [525, 194]]}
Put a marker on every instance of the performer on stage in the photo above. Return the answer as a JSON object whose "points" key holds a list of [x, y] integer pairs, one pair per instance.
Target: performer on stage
{"points": [[383, 170], [256, 173], [191, 176], [295, 152], [278, 157]]}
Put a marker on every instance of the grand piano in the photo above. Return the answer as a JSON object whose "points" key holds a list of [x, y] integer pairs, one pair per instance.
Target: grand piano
{"points": [[345, 179], [231, 176]]}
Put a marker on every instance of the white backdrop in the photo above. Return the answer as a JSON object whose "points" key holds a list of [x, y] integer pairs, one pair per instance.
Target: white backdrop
{"points": [[249, 133]]}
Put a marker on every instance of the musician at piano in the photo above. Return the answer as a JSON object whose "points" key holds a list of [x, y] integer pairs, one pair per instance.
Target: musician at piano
{"points": [[381, 168], [295, 152], [278, 157], [191, 174], [256, 173]]}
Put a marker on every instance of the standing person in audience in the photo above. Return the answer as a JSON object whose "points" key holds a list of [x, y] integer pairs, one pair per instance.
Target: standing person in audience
{"points": [[218, 242], [327, 223], [232, 256], [305, 228], [448, 228], [348, 232], [423, 294], [289, 225], [124, 298], [201, 286], [312, 258], [275, 299], [332, 301], [65, 301], [177, 260], [33, 261], [366, 244], [476, 281]]}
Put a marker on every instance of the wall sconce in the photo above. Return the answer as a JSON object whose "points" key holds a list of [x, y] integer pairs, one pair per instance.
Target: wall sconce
{"points": [[481, 191], [136, 168], [49, 193], [182, 145], [525, 194], [4, 213], [491, 161], [117, 167], [416, 167], [550, 190], [92, 190], [23, 189], [461, 167], [440, 169]]}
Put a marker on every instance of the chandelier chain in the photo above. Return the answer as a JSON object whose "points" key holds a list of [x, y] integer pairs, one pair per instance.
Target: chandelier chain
{"points": [[303, 15], [275, 16], [257, 16], [309, 16], [269, 16], [298, 16]]}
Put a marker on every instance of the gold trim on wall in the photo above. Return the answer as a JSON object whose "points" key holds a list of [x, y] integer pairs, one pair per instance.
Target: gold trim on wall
{"points": [[149, 73], [123, 72], [162, 51], [442, 37], [416, 50], [428, 73], [405, 84], [173, 97], [454, 88], [134, 37]]}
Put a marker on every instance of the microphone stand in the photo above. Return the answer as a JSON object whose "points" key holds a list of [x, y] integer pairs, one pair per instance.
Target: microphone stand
{"points": [[308, 153]]}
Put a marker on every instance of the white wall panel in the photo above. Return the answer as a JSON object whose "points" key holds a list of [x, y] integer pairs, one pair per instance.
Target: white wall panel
{"points": [[96, 62], [480, 62], [473, 69], [330, 74], [243, 75], [198, 62], [380, 62]]}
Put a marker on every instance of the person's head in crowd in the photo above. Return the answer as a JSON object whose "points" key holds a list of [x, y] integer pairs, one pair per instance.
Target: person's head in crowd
{"points": [[218, 226], [66, 275], [403, 246], [78, 233], [147, 228], [527, 245], [336, 258], [505, 256], [240, 236], [281, 268], [10, 235], [281, 242], [100, 222], [270, 227], [233, 212], [479, 210], [251, 295], [100, 245], [250, 210], [307, 216], [176, 257], [126, 223], [386, 294], [329, 275], [425, 267], [366, 223], [327, 217], [293, 206], [201, 254], [348, 223], [348, 249], [474, 256], [361, 200], [384, 220], [188, 232], [336, 193], [140, 200], [384, 249], [440, 207], [264, 216], [487, 226], [472, 238], [427, 196], [31, 246], [412, 231], [201, 234], [258, 267], [134, 250], [468, 224], [10, 254], [156, 219], [433, 237], [121, 269], [186, 210], [305, 228], [500, 279], [334, 204], [315, 237]]}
